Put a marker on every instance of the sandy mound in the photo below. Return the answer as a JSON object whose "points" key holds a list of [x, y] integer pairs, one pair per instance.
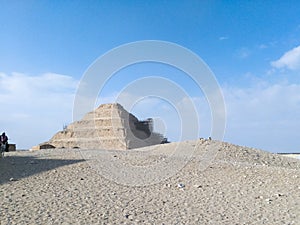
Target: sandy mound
{"points": [[218, 183]]}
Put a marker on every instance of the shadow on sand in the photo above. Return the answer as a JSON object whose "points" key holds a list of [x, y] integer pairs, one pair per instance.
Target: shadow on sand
{"points": [[18, 167]]}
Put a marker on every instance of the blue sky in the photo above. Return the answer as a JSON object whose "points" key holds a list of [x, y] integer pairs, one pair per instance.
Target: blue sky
{"points": [[251, 46]]}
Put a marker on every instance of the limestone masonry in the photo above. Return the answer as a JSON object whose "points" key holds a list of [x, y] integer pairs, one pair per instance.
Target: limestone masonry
{"points": [[109, 126]]}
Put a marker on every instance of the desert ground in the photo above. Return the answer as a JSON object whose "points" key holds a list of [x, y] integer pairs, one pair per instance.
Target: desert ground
{"points": [[193, 182]]}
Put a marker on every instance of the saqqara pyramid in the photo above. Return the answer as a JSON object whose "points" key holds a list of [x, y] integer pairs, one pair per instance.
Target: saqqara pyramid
{"points": [[109, 126]]}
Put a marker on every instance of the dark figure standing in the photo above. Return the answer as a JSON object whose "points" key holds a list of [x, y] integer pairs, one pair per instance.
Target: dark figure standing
{"points": [[4, 140]]}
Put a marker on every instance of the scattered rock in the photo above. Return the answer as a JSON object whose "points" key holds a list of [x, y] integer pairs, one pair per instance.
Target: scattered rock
{"points": [[268, 200], [180, 185], [130, 217]]}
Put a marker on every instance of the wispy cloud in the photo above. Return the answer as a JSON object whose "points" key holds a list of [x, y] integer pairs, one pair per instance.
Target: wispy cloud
{"points": [[243, 53], [289, 60], [223, 38], [264, 115], [35, 107], [260, 115], [263, 46]]}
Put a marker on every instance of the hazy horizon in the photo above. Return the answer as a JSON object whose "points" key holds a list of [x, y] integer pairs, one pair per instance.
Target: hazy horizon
{"points": [[252, 48]]}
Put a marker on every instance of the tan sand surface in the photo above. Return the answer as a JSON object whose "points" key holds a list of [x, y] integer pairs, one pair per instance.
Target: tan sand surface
{"points": [[215, 183]]}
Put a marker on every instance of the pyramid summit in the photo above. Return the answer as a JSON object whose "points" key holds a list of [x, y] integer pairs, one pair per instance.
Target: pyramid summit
{"points": [[109, 126]]}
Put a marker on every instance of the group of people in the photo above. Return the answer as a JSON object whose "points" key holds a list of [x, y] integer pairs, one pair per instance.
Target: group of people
{"points": [[4, 141]]}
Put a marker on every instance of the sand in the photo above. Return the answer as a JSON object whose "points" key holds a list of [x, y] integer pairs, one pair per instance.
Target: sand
{"points": [[215, 183]]}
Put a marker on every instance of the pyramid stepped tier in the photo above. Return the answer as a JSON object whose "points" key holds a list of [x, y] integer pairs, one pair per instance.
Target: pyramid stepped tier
{"points": [[110, 126]]}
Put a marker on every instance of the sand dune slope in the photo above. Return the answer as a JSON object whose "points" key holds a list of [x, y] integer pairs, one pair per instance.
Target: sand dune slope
{"points": [[194, 182]]}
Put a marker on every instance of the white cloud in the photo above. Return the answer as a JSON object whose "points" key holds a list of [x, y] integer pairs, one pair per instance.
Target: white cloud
{"points": [[33, 108], [289, 60], [265, 116]]}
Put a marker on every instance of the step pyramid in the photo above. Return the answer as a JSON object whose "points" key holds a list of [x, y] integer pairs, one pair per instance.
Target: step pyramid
{"points": [[109, 126]]}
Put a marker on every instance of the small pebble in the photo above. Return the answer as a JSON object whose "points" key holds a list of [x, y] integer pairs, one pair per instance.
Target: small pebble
{"points": [[180, 185], [268, 200], [130, 217]]}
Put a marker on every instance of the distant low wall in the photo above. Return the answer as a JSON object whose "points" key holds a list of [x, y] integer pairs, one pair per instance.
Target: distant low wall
{"points": [[292, 155], [11, 147]]}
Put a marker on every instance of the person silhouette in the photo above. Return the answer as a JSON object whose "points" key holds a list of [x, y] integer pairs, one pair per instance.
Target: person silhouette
{"points": [[4, 141]]}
